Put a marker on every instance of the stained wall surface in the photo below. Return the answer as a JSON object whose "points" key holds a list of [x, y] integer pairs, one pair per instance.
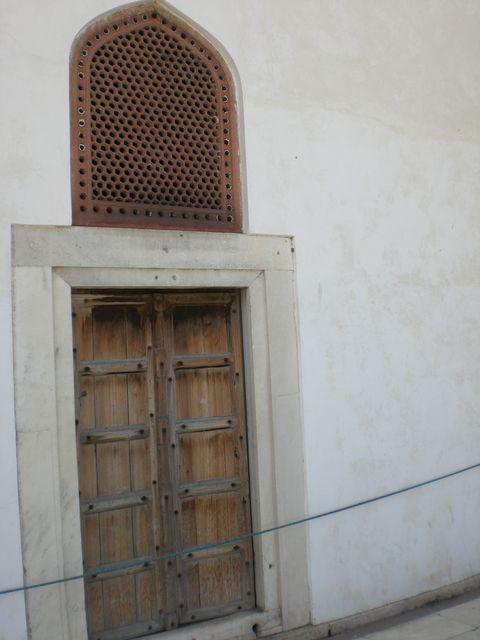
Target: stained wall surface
{"points": [[362, 132]]}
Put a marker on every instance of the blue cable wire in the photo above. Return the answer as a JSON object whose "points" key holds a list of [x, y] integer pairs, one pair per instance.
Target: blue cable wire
{"points": [[254, 534]]}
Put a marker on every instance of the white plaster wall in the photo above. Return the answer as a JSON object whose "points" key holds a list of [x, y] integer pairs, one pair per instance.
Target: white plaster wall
{"points": [[362, 133]]}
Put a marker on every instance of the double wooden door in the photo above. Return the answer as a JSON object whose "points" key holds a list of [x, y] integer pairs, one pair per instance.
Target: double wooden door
{"points": [[162, 456]]}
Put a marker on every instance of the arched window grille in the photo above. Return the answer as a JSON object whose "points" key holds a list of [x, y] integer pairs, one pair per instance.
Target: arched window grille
{"points": [[154, 138]]}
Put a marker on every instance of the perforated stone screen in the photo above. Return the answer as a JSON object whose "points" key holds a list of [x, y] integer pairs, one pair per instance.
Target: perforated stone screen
{"points": [[153, 125]]}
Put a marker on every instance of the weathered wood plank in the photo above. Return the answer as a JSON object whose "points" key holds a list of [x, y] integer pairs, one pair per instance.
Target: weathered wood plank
{"points": [[156, 522], [122, 568], [237, 372], [110, 503], [109, 367], [202, 360], [136, 630], [206, 424], [194, 298], [220, 485], [214, 552], [86, 299], [209, 613], [97, 436], [175, 566]]}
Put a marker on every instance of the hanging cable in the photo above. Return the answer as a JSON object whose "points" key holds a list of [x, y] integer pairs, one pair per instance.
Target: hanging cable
{"points": [[253, 534]]}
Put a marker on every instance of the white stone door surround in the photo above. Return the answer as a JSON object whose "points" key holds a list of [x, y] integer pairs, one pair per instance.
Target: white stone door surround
{"points": [[47, 263]]}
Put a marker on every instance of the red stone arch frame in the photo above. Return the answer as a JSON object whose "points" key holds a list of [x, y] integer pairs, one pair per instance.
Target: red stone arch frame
{"points": [[154, 126]]}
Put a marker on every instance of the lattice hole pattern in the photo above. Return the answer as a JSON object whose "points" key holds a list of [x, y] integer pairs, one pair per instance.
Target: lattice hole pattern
{"points": [[154, 128]]}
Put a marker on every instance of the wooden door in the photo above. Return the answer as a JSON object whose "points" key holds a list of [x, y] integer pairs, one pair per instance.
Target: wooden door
{"points": [[162, 457]]}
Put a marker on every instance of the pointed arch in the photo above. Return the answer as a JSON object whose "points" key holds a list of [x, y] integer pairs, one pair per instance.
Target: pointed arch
{"points": [[154, 124]]}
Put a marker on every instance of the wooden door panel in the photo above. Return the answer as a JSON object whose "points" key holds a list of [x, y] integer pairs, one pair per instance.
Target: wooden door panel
{"points": [[119, 606], [110, 397], [87, 471], [140, 472], [109, 333], [136, 334], [162, 459], [145, 589], [142, 531], [220, 580], [83, 331], [214, 586], [199, 329], [91, 542], [210, 518], [136, 398], [116, 539], [206, 420], [113, 468], [116, 435], [203, 392], [85, 402], [94, 606], [208, 455]]}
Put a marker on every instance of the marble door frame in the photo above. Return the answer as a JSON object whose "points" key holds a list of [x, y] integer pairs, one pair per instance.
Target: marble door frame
{"points": [[47, 263]]}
